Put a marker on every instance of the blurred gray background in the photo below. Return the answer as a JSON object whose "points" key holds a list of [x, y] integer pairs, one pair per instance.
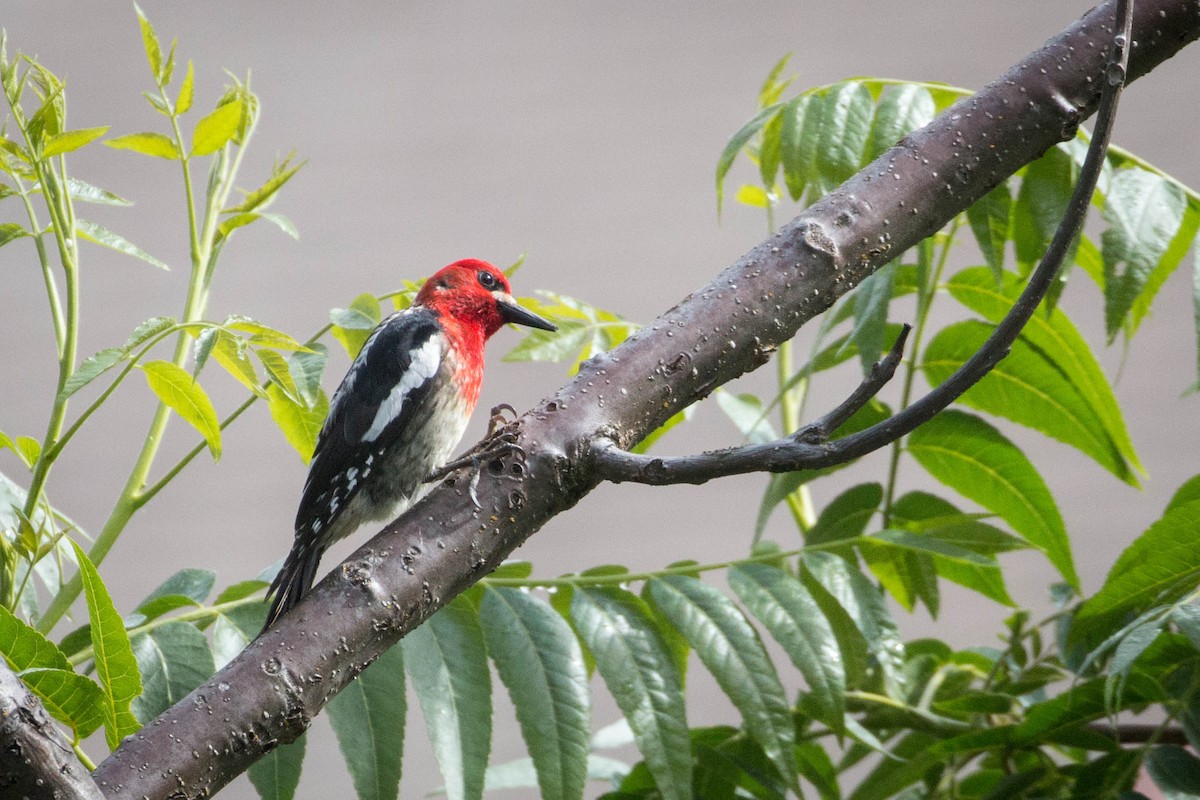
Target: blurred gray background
{"points": [[585, 135]]}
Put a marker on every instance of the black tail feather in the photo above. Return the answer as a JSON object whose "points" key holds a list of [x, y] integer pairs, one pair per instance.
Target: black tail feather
{"points": [[294, 580]]}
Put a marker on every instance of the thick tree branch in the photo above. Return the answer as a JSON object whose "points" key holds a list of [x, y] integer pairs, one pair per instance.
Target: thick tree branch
{"points": [[810, 447], [36, 761], [270, 692]]}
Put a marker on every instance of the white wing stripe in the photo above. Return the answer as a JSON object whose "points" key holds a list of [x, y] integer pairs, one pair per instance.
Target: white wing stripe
{"points": [[424, 365]]}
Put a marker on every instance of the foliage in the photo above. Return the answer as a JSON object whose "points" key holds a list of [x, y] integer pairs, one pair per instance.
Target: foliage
{"points": [[918, 718]]}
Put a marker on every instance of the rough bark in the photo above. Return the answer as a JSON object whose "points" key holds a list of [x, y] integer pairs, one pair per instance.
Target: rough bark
{"points": [[36, 761], [271, 691]]}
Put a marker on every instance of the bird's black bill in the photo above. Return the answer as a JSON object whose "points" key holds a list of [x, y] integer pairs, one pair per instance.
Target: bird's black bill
{"points": [[519, 316]]}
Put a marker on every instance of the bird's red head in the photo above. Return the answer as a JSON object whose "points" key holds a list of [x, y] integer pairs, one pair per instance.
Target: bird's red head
{"points": [[476, 295]]}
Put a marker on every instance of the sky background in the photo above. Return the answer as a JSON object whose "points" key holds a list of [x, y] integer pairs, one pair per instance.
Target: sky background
{"points": [[583, 135]]}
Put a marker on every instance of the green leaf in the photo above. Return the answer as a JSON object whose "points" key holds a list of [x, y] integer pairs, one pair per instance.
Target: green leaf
{"points": [[1190, 490], [932, 516], [737, 142], [150, 43], [769, 155], [187, 91], [1144, 212], [158, 103], [729, 646], [98, 234], [864, 604], [215, 130], [929, 545], [1196, 304], [871, 301], [1175, 771], [191, 582], [300, 425], [773, 85], [235, 628], [239, 590], [641, 675], [146, 330], [753, 196], [1161, 565], [847, 515], [261, 335], [67, 141], [973, 458], [368, 720], [991, 221], [1027, 388], [173, 660], [92, 367], [278, 372], [541, 663], [230, 353], [447, 661], [188, 587], [746, 412], [206, 340], [87, 193], [116, 667], [797, 161], [908, 575], [1181, 242], [150, 144], [277, 774], [795, 620], [1056, 339], [73, 699], [281, 173], [352, 326], [178, 391], [1046, 186], [10, 231], [846, 114], [24, 647], [306, 368], [901, 110]]}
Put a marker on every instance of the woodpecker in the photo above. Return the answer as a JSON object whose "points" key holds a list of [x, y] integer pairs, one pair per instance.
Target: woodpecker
{"points": [[398, 414]]}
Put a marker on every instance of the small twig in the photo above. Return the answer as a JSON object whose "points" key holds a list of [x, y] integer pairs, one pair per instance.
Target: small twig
{"points": [[818, 432], [809, 447]]}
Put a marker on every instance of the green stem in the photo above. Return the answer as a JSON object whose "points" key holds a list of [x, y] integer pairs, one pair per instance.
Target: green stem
{"points": [[147, 494], [621, 578], [924, 304], [128, 502], [62, 221], [195, 615], [88, 764], [112, 387], [56, 311]]}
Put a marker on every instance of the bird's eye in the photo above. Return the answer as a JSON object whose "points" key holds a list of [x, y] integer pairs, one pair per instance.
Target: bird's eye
{"points": [[487, 280]]}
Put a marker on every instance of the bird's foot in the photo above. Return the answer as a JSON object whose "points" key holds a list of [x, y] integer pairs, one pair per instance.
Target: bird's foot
{"points": [[500, 441]]}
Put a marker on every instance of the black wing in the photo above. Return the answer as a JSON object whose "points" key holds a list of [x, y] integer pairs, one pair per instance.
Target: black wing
{"points": [[366, 413], [390, 378]]}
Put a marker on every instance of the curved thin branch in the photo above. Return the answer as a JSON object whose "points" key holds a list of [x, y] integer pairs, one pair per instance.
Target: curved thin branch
{"points": [[809, 447]]}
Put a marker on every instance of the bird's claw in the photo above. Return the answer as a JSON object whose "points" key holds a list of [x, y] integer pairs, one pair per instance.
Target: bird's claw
{"points": [[497, 421], [501, 440]]}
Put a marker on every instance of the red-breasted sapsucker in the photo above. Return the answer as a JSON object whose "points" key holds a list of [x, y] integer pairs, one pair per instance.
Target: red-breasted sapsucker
{"points": [[398, 413]]}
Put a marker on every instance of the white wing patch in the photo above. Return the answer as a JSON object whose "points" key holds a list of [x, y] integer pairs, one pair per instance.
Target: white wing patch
{"points": [[424, 365]]}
